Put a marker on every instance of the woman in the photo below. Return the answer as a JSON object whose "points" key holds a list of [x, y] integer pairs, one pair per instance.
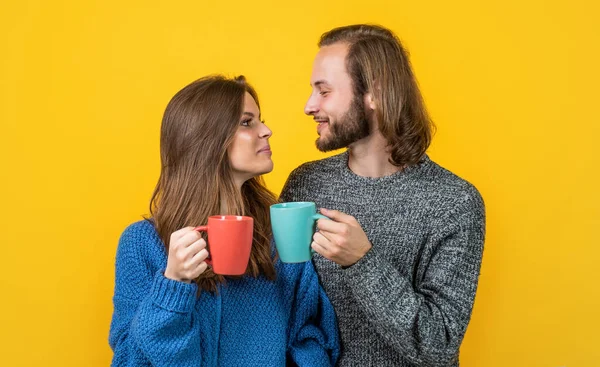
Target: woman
{"points": [[169, 307]]}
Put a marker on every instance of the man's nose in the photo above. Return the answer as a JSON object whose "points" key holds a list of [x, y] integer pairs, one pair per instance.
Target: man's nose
{"points": [[311, 107]]}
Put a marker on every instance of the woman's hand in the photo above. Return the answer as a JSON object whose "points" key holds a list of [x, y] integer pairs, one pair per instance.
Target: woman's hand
{"points": [[187, 252]]}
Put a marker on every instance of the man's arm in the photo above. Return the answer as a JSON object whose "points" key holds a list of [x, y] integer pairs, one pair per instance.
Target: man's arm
{"points": [[425, 320]]}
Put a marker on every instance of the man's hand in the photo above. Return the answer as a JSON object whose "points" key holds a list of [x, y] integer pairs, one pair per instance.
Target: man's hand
{"points": [[341, 239]]}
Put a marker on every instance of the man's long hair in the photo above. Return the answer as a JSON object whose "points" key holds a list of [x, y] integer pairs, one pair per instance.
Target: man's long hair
{"points": [[378, 64]]}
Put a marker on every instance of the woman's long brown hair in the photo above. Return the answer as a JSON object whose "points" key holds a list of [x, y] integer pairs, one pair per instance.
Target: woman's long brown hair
{"points": [[198, 127]]}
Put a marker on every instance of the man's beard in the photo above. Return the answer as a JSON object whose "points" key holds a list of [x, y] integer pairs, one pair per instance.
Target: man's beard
{"points": [[351, 127]]}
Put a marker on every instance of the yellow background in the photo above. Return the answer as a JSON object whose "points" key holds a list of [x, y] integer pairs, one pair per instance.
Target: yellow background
{"points": [[512, 85]]}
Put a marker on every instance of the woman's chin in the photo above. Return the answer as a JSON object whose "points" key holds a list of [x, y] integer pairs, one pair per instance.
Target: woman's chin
{"points": [[268, 169]]}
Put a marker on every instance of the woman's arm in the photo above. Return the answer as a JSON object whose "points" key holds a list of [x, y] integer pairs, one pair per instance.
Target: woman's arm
{"points": [[153, 321], [314, 339]]}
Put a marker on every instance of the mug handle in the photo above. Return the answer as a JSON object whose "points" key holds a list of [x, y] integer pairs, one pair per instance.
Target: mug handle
{"points": [[204, 229], [319, 216], [315, 217]]}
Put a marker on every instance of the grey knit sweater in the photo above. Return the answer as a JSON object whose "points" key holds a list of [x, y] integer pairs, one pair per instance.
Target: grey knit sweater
{"points": [[408, 301]]}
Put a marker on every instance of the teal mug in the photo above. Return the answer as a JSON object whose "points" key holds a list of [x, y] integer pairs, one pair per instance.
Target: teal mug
{"points": [[293, 227]]}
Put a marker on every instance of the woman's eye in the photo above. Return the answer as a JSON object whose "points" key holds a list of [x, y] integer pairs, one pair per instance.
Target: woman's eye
{"points": [[246, 122]]}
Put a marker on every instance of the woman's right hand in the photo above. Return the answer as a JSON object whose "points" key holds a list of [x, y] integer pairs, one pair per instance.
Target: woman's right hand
{"points": [[187, 252]]}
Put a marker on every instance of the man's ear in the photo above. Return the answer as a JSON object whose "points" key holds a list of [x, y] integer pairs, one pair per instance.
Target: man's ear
{"points": [[369, 101]]}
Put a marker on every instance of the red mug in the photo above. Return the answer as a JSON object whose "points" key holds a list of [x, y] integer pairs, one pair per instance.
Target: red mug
{"points": [[229, 242]]}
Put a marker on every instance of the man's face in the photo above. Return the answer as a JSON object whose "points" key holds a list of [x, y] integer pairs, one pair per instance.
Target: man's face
{"points": [[340, 114]]}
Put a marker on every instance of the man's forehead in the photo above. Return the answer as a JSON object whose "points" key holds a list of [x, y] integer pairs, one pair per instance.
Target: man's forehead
{"points": [[329, 64]]}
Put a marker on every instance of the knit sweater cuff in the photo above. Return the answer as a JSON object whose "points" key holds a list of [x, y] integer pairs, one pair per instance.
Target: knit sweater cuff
{"points": [[173, 295], [365, 264]]}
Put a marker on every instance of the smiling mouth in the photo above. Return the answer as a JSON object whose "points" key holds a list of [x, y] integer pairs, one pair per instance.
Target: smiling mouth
{"points": [[320, 125]]}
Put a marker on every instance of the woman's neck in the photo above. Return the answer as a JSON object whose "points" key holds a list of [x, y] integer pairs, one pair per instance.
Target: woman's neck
{"points": [[224, 210]]}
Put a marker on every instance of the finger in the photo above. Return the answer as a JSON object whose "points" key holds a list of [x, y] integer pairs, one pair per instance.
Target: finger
{"points": [[180, 233], [198, 270], [188, 239], [199, 257], [337, 216], [321, 239], [192, 263], [194, 248], [319, 249], [330, 226]]}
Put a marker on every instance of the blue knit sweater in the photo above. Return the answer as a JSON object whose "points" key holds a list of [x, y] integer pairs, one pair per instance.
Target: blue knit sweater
{"points": [[248, 322]]}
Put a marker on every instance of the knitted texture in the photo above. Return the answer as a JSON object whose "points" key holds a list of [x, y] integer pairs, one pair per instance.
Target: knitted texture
{"points": [[248, 322], [408, 301]]}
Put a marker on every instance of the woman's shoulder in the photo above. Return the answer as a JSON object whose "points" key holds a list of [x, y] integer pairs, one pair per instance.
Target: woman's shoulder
{"points": [[140, 239], [142, 227]]}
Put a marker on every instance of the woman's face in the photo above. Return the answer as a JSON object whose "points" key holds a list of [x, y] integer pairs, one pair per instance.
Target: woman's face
{"points": [[250, 153]]}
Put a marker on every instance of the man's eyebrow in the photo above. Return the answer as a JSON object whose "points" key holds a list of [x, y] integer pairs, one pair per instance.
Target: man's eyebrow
{"points": [[319, 83]]}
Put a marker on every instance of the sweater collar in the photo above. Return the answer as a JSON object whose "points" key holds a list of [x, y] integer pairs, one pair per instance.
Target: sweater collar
{"points": [[408, 172]]}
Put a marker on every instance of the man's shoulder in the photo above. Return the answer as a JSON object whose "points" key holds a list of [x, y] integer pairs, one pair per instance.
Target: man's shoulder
{"points": [[303, 181], [321, 165], [446, 184]]}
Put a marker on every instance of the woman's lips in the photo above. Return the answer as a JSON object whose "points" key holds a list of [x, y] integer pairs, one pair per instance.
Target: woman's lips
{"points": [[266, 150]]}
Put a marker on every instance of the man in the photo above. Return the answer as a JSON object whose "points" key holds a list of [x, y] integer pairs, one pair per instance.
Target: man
{"points": [[400, 257]]}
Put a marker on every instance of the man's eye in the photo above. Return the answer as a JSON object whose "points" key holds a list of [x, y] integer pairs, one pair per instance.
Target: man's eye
{"points": [[324, 93]]}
